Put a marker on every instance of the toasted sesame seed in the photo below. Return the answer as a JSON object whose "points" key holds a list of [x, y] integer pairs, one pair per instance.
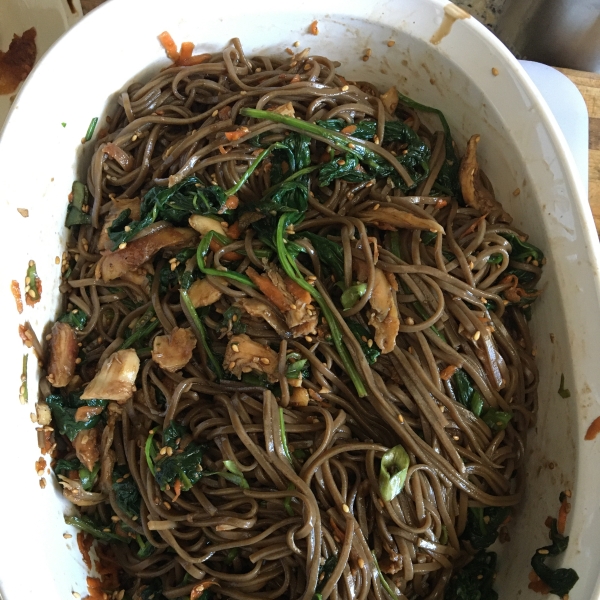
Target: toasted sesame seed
{"points": [[243, 93], [293, 306], [495, 72], [296, 44], [351, 146], [391, 43], [401, 418], [31, 293], [476, 335], [479, 576], [410, 321], [114, 518], [67, 536], [27, 280], [568, 493], [543, 551], [167, 505], [376, 139], [376, 207], [345, 88], [370, 343], [246, 369], [455, 438], [289, 51], [78, 361], [163, 450], [265, 361], [235, 347], [76, 595], [517, 192], [169, 451], [122, 245], [345, 508], [361, 563], [308, 338], [31, 263], [48, 337]]}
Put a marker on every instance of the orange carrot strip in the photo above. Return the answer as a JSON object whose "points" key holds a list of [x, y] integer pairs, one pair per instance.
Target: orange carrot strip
{"points": [[298, 292], [593, 429], [561, 523], [195, 60], [233, 231], [448, 372], [169, 45], [313, 28], [185, 52], [269, 289], [177, 488]]}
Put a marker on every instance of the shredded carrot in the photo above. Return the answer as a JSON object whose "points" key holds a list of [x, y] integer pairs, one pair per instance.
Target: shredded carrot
{"points": [[593, 429], [298, 292], [269, 289], [473, 226], [561, 523], [84, 542], [195, 60], [232, 203], [295, 78], [233, 136], [314, 29], [222, 150], [16, 292], [540, 587], [169, 45], [233, 231], [215, 246], [177, 488], [441, 203], [349, 130], [448, 372], [185, 52]]}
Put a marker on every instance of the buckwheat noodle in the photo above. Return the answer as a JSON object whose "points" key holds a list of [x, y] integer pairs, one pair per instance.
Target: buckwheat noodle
{"points": [[313, 491]]}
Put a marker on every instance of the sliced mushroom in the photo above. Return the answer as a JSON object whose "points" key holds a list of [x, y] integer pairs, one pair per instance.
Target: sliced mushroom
{"points": [[116, 378], [474, 191], [257, 309], [203, 293], [73, 491], [172, 352], [87, 447], [384, 317], [244, 355], [140, 250], [63, 354], [392, 219]]}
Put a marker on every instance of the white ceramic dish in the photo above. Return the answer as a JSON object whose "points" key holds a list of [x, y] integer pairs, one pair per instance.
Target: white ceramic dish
{"points": [[522, 148], [51, 18]]}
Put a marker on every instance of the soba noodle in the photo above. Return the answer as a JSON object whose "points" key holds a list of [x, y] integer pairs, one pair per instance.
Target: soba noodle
{"points": [[377, 331]]}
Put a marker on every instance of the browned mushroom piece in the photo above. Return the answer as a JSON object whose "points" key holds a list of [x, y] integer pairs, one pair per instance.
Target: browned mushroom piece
{"points": [[63, 354]]}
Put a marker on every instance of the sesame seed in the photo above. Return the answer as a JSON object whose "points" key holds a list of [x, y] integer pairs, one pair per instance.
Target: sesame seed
{"points": [[376, 207], [345, 508], [543, 551], [76, 595], [568, 493], [345, 88], [495, 72], [410, 321], [78, 361], [480, 576], [476, 335], [114, 518], [167, 505], [308, 339], [258, 70], [296, 44], [246, 369], [265, 361], [106, 530], [401, 418], [169, 451], [243, 93], [391, 43], [48, 337], [234, 318], [31, 263], [455, 437], [289, 51], [231, 365], [235, 347], [351, 146], [517, 192], [163, 450], [293, 306], [31, 293], [361, 563], [67, 536], [122, 245], [370, 343]]}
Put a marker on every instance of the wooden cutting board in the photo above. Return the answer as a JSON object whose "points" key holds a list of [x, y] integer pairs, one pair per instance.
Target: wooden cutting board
{"points": [[589, 86]]}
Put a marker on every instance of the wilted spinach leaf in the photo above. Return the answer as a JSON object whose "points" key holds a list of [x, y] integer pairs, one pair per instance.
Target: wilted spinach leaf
{"points": [[63, 412]]}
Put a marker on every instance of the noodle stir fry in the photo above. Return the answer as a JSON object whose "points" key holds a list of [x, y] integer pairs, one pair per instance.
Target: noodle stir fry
{"points": [[294, 360]]}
